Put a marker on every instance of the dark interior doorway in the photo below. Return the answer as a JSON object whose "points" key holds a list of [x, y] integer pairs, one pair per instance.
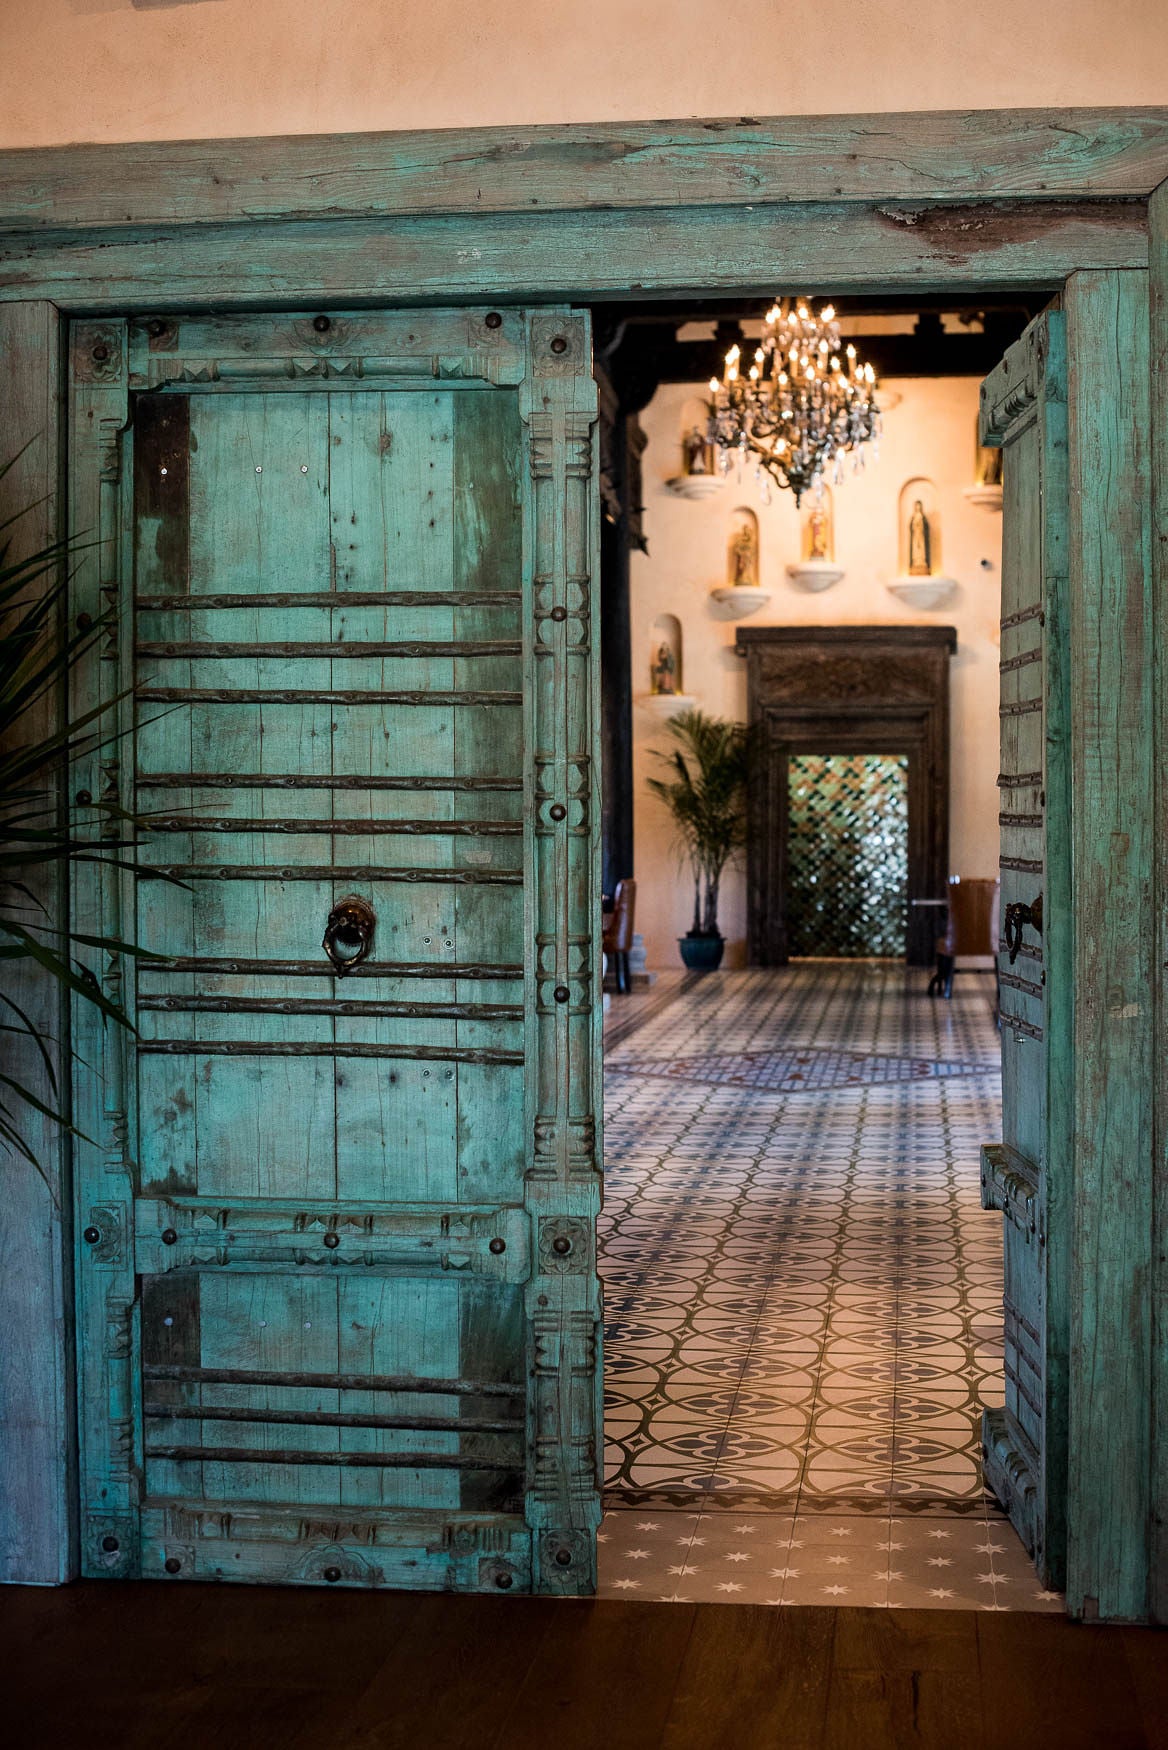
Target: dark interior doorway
{"points": [[858, 694]]}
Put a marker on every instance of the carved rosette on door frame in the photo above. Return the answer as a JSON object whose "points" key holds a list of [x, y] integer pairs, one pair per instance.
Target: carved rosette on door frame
{"points": [[338, 1311]]}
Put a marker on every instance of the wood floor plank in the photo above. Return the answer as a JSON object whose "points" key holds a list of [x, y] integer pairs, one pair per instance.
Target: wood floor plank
{"points": [[905, 1677], [891, 1710], [276, 1637], [1046, 1680], [227, 1718], [600, 1679], [906, 1640], [156, 1667], [1147, 1659], [753, 1676], [447, 1677]]}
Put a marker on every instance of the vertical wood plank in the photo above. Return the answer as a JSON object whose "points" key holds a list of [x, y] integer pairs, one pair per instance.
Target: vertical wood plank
{"points": [[562, 994], [259, 525], [1115, 973], [101, 904], [1158, 275], [37, 1474]]}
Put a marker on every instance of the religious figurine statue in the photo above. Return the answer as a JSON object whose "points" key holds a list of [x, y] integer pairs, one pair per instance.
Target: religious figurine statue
{"points": [[694, 447], [744, 556], [663, 674], [989, 467], [817, 533], [919, 543]]}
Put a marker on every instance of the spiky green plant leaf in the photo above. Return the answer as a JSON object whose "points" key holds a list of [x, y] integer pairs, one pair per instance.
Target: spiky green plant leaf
{"points": [[36, 656]]}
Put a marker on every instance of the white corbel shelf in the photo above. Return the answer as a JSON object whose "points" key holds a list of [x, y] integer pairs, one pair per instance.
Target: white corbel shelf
{"points": [[695, 485], [666, 704], [986, 497], [744, 598], [814, 574], [923, 592]]}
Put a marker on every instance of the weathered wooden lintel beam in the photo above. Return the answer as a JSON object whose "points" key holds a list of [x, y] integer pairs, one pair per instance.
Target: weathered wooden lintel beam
{"points": [[947, 156], [514, 258]]}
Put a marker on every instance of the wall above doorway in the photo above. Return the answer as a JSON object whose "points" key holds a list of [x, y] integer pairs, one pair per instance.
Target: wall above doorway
{"points": [[929, 431]]}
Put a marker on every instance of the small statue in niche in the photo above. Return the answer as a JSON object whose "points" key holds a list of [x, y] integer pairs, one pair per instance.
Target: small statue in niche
{"points": [[989, 467], [920, 543], [695, 450], [818, 533], [744, 556], [663, 674]]}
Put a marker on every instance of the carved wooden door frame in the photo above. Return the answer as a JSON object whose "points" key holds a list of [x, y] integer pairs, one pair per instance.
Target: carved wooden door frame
{"points": [[909, 203], [847, 689]]}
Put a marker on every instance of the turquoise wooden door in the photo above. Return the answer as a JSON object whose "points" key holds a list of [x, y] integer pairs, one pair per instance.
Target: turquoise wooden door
{"points": [[338, 1315], [1028, 1175]]}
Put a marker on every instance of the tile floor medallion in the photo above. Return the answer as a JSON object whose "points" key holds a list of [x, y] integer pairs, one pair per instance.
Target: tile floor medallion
{"points": [[803, 1293]]}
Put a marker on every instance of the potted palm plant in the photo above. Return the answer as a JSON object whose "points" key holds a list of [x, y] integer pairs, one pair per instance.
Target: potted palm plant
{"points": [[705, 792]]}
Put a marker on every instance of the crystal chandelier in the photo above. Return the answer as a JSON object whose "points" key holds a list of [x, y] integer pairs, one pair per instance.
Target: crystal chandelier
{"points": [[803, 404]]}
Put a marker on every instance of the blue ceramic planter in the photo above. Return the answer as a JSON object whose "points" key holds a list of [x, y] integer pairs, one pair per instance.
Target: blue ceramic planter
{"points": [[702, 953]]}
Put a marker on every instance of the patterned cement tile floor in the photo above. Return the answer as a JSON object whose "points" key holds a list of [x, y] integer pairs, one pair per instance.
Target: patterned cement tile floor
{"points": [[802, 1293]]}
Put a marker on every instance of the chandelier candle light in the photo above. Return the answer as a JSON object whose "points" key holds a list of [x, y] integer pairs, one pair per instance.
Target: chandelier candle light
{"points": [[804, 402]]}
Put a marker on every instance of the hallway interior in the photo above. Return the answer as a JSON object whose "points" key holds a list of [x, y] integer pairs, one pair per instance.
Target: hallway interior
{"points": [[802, 1293]]}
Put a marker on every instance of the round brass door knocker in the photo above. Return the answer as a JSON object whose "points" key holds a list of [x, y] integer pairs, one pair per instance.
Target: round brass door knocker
{"points": [[348, 935]]}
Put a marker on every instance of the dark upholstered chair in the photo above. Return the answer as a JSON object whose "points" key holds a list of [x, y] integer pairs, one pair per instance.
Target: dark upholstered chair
{"points": [[618, 932], [971, 929]]}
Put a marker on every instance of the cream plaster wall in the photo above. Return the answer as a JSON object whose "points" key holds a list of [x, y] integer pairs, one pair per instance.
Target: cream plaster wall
{"points": [[180, 69], [930, 432]]}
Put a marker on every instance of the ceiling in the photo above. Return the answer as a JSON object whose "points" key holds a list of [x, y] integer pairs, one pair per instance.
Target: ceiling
{"points": [[642, 345]]}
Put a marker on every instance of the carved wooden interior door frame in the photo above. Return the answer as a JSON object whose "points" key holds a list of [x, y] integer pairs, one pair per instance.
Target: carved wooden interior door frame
{"points": [[847, 689], [976, 201]]}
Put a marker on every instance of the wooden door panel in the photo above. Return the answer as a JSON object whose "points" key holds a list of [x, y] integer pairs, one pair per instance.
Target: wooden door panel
{"points": [[279, 1363], [347, 1230], [1027, 1176], [241, 737]]}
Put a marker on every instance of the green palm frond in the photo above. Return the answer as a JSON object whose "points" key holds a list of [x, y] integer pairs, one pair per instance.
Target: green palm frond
{"points": [[36, 657]]}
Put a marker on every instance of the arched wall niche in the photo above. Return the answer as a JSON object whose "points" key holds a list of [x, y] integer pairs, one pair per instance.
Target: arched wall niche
{"points": [[919, 529], [817, 540], [694, 447], [742, 550], [665, 655]]}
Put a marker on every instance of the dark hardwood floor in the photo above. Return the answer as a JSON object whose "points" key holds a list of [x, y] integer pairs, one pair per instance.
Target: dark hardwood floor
{"points": [[137, 1665]]}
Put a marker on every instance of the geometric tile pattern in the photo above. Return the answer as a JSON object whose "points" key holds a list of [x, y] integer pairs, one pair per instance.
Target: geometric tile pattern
{"points": [[803, 1296], [847, 853], [791, 1071]]}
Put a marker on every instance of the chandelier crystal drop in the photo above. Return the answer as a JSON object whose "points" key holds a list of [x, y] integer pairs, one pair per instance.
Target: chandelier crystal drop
{"points": [[802, 405]]}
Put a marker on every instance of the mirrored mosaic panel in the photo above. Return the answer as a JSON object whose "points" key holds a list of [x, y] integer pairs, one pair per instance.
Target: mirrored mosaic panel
{"points": [[847, 854]]}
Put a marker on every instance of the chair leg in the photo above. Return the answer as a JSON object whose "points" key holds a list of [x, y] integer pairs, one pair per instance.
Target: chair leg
{"points": [[622, 972], [941, 983]]}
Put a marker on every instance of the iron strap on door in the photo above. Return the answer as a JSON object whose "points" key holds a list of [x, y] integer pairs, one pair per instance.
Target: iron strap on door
{"points": [[338, 1313]]}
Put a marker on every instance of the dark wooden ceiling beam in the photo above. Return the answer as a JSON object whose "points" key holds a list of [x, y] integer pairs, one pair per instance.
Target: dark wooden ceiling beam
{"points": [[714, 309], [651, 354]]}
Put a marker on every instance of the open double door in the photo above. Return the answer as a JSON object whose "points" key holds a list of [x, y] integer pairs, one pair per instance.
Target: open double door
{"points": [[338, 1311]]}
